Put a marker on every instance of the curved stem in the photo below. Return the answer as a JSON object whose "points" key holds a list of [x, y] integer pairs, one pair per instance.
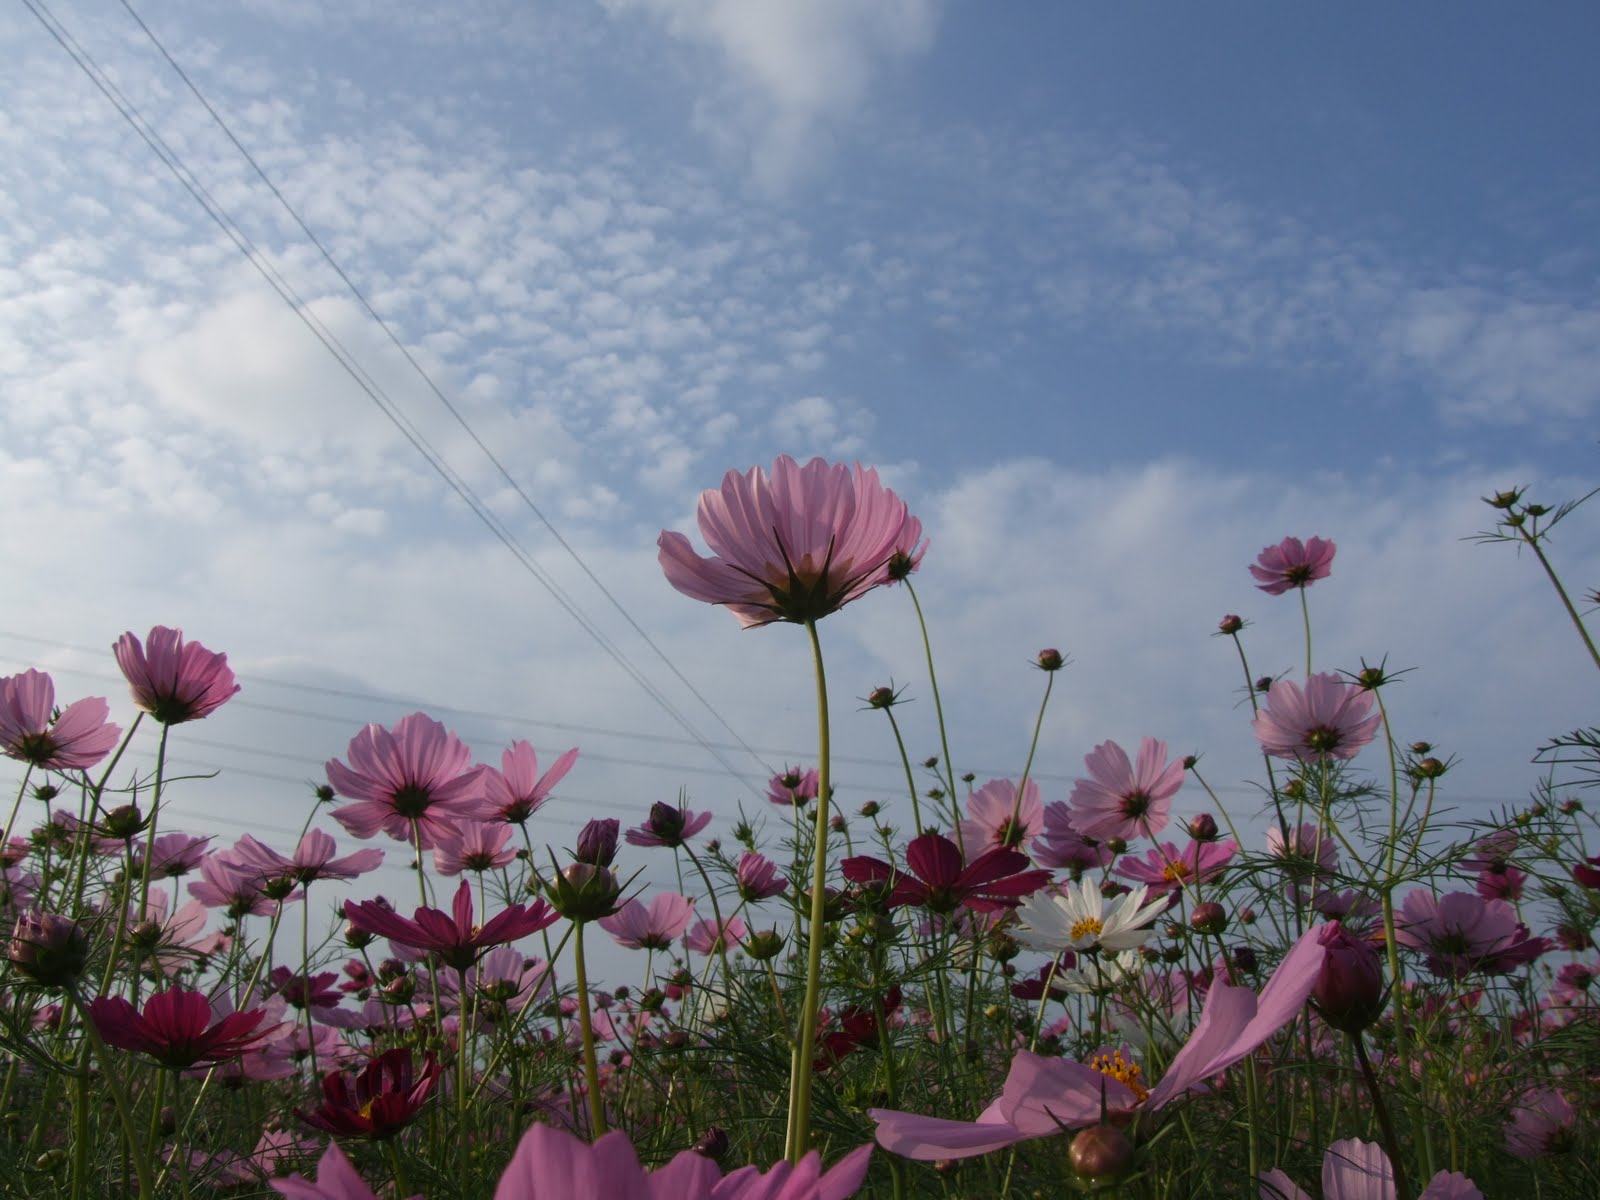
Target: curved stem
{"points": [[591, 1067], [155, 816], [1038, 724], [1305, 616], [1401, 1189], [1566, 600], [938, 706], [141, 1162], [905, 761]]}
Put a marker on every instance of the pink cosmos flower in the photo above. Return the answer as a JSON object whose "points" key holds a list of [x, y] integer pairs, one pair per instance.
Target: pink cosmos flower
{"points": [[937, 879], [794, 546], [1124, 800], [452, 936], [1542, 1124], [758, 878], [176, 854], [1042, 1096], [1061, 845], [418, 777], [654, 928], [229, 884], [176, 1028], [989, 824], [707, 937], [1330, 718], [795, 787], [1168, 868], [1462, 932], [77, 739], [474, 846], [1355, 1170], [517, 790], [173, 680], [667, 825], [376, 1102], [336, 1180], [313, 859], [1291, 564]]}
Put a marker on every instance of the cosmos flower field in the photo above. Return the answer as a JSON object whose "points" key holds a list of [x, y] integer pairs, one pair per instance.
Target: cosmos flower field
{"points": [[984, 992]]}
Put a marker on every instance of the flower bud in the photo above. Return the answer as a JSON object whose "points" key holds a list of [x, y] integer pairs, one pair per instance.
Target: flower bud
{"points": [[1230, 624], [597, 842], [1244, 959], [1203, 828], [763, 945], [1264, 684], [356, 938], [666, 822], [1503, 500], [1431, 768], [125, 821], [881, 697], [585, 892], [870, 809], [1208, 917], [49, 949], [1050, 659], [1100, 1152], [1349, 988], [713, 1144]]}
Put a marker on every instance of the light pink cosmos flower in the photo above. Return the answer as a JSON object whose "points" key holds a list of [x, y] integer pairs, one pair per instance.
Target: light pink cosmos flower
{"points": [[1541, 1125], [654, 928], [1122, 799], [173, 680], [77, 739], [1291, 564], [418, 776], [336, 1180], [989, 824], [231, 885], [176, 854], [1330, 718], [1168, 868], [517, 790], [758, 878], [794, 788], [794, 546], [707, 938], [1462, 932], [1356, 1170], [313, 859], [667, 825], [474, 846], [1063, 846], [1042, 1096]]}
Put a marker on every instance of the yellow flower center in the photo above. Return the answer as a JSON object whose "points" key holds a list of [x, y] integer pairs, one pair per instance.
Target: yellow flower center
{"points": [[1176, 871], [1086, 927], [1114, 1065]]}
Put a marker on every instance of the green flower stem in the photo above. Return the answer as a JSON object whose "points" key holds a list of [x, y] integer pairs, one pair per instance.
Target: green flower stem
{"points": [[1305, 616], [1533, 541], [591, 1067], [798, 1134], [80, 871], [938, 708], [141, 1160], [1255, 710], [16, 806], [1038, 724], [905, 761], [155, 817], [1397, 1160]]}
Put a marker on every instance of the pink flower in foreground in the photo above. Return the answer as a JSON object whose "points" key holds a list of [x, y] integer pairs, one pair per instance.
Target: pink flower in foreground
{"points": [[176, 1028], [990, 824], [794, 546], [1292, 564], [452, 936], [1462, 932], [1330, 718], [77, 739], [1042, 1096], [1542, 1124], [173, 680], [937, 879], [516, 791], [654, 928], [1355, 1170], [419, 776], [758, 878], [1122, 799], [336, 1180]]}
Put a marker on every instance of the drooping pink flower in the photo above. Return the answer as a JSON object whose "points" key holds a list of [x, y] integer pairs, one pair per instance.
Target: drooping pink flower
{"points": [[1356, 1170], [516, 791], [990, 824], [451, 935], [794, 546], [313, 859], [419, 777], [173, 680], [1042, 1096], [1121, 799], [1541, 1124], [1168, 868], [758, 878], [936, 878], [474, 846], [175, 854], [637, 927], [336, 1179], [1461, 932], [1062, 845], [76, 740], [1329, 718], [1292, 564], [176, 1028], [795, 788], [707, 937], [667, 825]]}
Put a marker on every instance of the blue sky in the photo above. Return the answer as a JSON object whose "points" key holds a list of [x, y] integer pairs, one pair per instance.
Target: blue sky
{"points": [[1114, 295]]}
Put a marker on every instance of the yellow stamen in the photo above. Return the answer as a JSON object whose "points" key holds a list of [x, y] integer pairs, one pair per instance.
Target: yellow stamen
{"points": [[1086, 927], [1112, 1064], [1177, 871]]}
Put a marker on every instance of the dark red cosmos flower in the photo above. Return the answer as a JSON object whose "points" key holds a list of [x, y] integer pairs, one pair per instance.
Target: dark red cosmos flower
{"points": [[935, 878], [858, 1026], [452, 936], [1032, 988], [1587, 874], [378, 1102], [176, 1029]]}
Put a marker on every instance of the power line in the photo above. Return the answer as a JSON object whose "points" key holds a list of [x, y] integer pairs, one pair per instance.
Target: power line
{"points": [[428, 379], [374, 392]]}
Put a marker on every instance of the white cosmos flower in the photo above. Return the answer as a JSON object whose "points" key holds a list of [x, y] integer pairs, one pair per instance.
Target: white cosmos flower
{"points": [[1078, 917], [1100, 974]]}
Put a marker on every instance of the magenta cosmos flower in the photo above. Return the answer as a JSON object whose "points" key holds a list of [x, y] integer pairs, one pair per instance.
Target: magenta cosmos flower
{"points": [[1542, 1124], [654, 928], [313, 859], [1329, 718], [474, 846], [1061, 844], [1356, 1170], [794, 546], [794, 788], [937, 879], [176, 1028], [451, 935], [1043, 1096], [995, 820], [517, 790], [418, 777], [77, 739], [378, 1101], [1167, 868], [1122, 799], [1292, 564], [1462, 932], [668, 825], [173, 680]]}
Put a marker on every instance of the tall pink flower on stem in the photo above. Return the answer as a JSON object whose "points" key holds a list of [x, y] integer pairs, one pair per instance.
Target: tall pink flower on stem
{"points": [[997, 820], [1293, 564], [414, 782], [77, 739], [474, 846], [793, 546], [1329, 718], [1121, 799], [1043, 1096], [451, 935], [794, 788], [516, 791], [176, 1028], [313, 859], [638, 927], [173, 680]]}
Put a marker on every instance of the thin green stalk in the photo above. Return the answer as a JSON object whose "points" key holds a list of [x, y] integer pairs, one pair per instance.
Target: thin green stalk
{"points": [[1533, 543], [155, 816], [938, 707], [16, 806], [1027, 767], [1305, 616], [1402, 1189], [905, 761], [798, 1134], [591, 1066], [141, 1161]]}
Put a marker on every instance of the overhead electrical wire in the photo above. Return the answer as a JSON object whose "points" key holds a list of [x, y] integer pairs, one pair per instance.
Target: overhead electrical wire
{"points": [[374, 391]]}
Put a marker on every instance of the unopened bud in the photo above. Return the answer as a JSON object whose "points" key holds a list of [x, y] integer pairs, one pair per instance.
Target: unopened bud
{"points": [[1230, 624], [713, 1144], [1203, 828], [881, 697], [1100, 1152], [1209, 917], [1050, 660]]}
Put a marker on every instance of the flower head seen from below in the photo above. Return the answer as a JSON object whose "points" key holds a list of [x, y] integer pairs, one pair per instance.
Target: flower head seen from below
{"points": [[794, 545], [1124, 799], [937, 879], [795, 788], [74, 740], [378, 1101], [1542, 1123], [415, 782], [1293, 564], [667, 825], [451, 935], [635, 926], [176, 1028], [337, 1179], [995, 820], [1078, 917], [1328, 718], [173, 680], [516, 791]]}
